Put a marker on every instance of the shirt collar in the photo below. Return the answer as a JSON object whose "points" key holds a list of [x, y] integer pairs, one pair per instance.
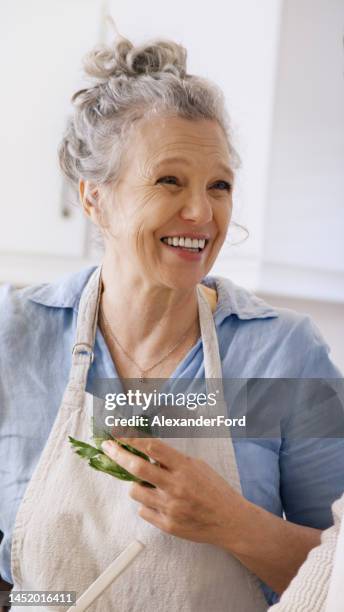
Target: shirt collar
{"points": [[63, 293], [232, 299]]}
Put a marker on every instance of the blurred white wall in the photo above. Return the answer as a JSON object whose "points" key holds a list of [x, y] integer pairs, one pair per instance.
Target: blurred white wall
{"points": [[304, 217]]}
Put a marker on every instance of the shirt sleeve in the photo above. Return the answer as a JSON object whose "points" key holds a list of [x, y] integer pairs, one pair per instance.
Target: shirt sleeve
{"points": [[4, 437], [312, 449]]}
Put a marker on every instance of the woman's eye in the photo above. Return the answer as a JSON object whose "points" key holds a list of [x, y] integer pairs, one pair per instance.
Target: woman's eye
{"points": [[222, 185], [170, 180]]}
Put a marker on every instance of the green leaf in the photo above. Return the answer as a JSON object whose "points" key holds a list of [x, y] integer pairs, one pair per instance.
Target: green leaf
{"points": [[98, 460], [133, 450], [84, 450]]}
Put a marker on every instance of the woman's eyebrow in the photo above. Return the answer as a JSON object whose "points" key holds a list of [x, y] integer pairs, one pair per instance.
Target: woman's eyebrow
{"points": [[182, 160]]}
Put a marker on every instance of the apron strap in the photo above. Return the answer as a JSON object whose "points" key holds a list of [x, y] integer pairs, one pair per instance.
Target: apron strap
{"points": [[86, 327], [212, 360]]}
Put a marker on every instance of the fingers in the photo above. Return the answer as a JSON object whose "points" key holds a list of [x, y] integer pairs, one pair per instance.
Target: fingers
{"points": [[158, 520], [151, 516], [166, 455], [146, 496], [139, 467], [151, 509]]}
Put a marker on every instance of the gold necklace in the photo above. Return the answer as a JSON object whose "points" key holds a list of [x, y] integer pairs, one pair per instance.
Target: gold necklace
{"points": [[142, 371]]}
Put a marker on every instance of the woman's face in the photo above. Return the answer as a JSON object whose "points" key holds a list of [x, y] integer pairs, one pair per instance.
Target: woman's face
{"points": [[175, 182]]}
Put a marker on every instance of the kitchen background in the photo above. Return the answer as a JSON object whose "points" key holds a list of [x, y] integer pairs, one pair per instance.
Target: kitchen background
{"points": [[280, 64]]}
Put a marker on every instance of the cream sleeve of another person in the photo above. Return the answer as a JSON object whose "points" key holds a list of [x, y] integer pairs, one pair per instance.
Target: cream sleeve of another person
{"points": [[319, 583]]}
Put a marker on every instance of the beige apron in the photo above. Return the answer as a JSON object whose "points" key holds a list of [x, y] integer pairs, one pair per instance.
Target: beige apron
{"points": [[73, 521]]}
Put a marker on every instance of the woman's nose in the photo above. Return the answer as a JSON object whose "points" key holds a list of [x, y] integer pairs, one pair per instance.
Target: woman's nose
{"points": [[197, 208]]}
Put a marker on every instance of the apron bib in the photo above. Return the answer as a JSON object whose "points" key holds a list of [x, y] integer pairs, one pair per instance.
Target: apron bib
{"points": [[73, 521]]}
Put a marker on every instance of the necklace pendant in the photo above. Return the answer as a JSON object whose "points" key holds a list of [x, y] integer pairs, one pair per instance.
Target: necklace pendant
{"points": [[141, 379]]}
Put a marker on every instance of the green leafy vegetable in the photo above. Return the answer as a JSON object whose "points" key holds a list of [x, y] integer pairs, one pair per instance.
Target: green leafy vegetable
{"points": [[98, 460]]}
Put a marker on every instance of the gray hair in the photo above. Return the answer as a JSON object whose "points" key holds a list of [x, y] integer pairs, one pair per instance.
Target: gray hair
{"points": [[127, 83]]}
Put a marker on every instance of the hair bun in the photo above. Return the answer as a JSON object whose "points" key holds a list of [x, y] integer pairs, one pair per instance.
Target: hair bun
{"points": [[124, 59]]}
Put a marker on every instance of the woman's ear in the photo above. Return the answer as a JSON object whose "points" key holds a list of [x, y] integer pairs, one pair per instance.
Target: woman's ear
{"points": [[89, 195]]}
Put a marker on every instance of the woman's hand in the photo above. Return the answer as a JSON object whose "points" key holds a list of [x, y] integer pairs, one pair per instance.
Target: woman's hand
{"points": [[191, 500]]}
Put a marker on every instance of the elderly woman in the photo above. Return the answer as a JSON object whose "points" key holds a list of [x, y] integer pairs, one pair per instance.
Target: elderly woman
{"points": [[150, 151]]}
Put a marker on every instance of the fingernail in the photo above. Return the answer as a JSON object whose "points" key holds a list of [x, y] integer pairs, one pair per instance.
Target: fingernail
{"points": [[107, 446]]}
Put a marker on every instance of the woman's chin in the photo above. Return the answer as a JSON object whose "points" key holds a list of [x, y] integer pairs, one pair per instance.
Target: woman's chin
{"points": [[184, 280]]}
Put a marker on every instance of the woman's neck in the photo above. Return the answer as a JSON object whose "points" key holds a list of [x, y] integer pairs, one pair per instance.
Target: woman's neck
{"points": [[147, 320]]}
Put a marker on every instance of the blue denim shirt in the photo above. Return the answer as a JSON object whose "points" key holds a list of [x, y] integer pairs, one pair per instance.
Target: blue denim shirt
{"points": [[298, 477]]}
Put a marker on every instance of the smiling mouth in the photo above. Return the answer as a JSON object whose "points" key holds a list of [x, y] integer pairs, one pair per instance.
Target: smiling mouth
{"points": [[192, 249]]}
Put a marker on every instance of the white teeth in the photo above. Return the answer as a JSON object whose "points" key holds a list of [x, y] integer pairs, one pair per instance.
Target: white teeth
{"points": [[188, 243]]}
